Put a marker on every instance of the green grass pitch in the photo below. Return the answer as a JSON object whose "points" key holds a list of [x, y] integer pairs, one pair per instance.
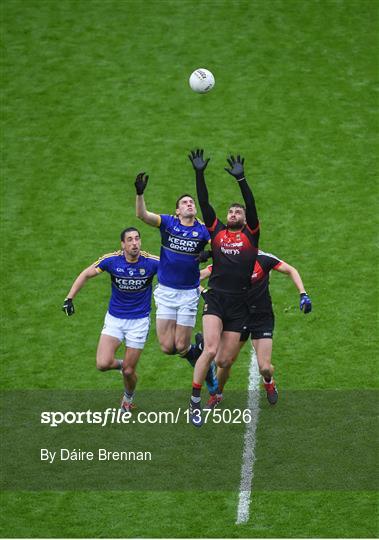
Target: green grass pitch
{"points": [[94, 92]]}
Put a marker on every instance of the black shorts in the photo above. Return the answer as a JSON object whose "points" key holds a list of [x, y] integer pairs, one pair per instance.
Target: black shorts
{"points": [[232, 309], [260, 325]]}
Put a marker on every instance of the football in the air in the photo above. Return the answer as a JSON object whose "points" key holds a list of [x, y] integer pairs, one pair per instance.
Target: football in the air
{"points": [[201, 81]]}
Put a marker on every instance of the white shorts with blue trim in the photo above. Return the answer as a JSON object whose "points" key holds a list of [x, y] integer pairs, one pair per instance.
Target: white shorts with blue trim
{"points": [[133, 332], [178, 305]]}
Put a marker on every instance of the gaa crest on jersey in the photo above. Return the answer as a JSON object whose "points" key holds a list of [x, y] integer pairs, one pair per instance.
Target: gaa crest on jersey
{"points": [[195, 233], [142, 271]]}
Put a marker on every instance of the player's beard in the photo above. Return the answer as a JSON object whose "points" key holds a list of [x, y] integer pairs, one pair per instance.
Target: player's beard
{"points": [[235, 225]]}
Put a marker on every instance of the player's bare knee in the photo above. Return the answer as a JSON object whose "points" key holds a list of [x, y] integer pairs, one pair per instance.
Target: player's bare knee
{"points": [[103, 364], [181, 345], [224, 362], [210, 351], [128, 371], [167, 348]]}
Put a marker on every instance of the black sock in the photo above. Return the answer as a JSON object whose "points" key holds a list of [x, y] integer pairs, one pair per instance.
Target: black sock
{"points": [[191, 356], [196, 390], [196, 352]]}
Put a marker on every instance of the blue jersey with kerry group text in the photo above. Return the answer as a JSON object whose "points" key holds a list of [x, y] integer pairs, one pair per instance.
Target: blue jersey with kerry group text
{"points": [[131, 283], [178, 267]]}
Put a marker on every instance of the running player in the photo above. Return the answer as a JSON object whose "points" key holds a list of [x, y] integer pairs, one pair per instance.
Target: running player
{"points": [[261, 322], [127, 319], [176, 296], [234, 248]]}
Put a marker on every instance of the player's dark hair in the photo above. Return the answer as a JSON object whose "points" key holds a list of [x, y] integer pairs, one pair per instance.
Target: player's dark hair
{"points": [[237, 205], [182, 197], [128, 229]]}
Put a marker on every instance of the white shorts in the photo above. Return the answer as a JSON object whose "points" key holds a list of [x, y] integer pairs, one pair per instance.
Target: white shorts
{"points": [[178, 305], [133, 332]]}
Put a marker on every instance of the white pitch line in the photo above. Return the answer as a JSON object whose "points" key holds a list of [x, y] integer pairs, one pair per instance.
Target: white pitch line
{"points": [[248, 455]]}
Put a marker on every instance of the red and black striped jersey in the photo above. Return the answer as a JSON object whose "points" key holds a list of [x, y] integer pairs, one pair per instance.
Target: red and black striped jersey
{"points": [[234, 256], [259, 294]]}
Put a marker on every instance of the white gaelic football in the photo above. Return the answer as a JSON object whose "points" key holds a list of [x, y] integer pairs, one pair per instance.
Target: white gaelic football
{"points": [[201, 81]]}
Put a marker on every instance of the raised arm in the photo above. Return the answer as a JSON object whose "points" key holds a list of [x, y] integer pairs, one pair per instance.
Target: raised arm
{"points": [[148, 217], [83, 277], [305, 301], [199, 164], [237, 170]]}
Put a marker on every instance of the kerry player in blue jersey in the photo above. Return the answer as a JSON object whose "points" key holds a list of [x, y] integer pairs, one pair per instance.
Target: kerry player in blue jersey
{"points": [[183, 237], [127, 319]]}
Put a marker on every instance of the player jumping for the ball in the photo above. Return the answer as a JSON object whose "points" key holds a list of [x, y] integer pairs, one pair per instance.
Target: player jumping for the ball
{"points": [[260, 326], [234, 248], [127, 319], [176, 296]]}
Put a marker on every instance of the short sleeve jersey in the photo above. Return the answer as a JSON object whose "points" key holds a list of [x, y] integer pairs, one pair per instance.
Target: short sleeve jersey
{"points": [[131, 283], [234, 255], [259, 295], [178, 267]]}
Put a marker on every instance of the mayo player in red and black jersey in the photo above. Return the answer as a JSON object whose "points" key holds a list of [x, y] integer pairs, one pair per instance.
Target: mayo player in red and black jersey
{"points": [[260, 325], [128, 316], [234, 248]]}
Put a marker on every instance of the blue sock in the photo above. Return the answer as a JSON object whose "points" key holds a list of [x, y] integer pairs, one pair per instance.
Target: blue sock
{"points": [[211, 380]]}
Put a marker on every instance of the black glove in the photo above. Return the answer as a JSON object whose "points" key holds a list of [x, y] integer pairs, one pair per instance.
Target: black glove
{"points": [[305, 303], [141, 182], [68, 307], [236, 167], [196, 157], [204, 256]]}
